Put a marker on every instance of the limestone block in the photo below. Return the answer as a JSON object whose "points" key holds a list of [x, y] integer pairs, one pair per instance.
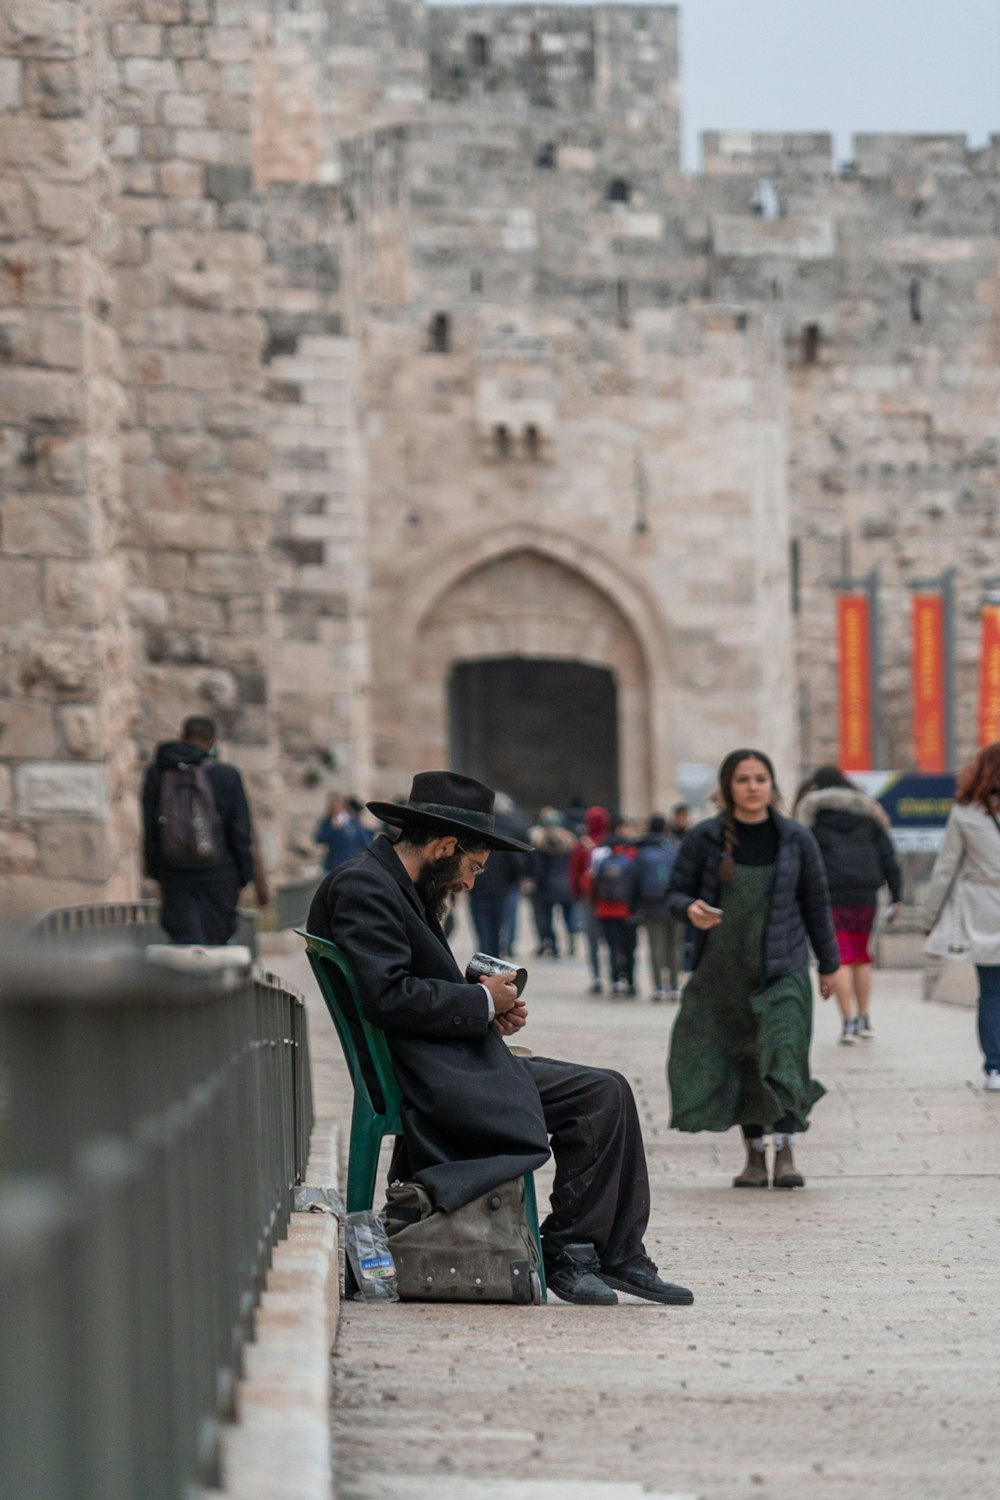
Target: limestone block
{"points": [[149, 75], [18, 852], [229, 44], [10, 83], [171, 409], [15, 213], [136, 39], [59, 789], [219, 573], [46, 525], [41, 28], [26, 729], [74, 851], [61, 664], [61, 340], [172, 12], [80, 728], [39, 396], [69, 593], [203, 145], [54, 90], [20, 590], [182, 179], [804, 237]]}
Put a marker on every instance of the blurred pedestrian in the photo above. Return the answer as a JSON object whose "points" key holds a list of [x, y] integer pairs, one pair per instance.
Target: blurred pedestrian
{"points": [[654, 861], [597, 826], [494, 899], [613, 877], [962, 906], [752, 883], [551, 890], [340, 832], [852, 832], [198, 842]]}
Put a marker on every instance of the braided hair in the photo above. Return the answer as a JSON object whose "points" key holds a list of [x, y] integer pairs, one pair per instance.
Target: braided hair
{"points": [[726, 773]]}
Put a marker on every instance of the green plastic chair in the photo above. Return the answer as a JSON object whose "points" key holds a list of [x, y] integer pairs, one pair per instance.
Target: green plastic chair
{"points": [[369, 1126]]}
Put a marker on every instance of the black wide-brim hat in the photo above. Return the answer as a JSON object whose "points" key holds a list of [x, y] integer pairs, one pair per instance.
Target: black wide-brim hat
{"points": [[455, 804]]}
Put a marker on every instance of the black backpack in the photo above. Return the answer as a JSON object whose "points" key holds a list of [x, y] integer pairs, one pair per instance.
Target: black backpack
{"points": [[614, 879], [190, 828]]}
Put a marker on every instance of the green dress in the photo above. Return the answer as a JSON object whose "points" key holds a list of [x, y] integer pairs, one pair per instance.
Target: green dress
{"points": [[739, 1052]]}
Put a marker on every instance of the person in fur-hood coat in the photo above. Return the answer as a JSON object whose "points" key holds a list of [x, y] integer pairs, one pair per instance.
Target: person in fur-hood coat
{"points": [[853, 836]]}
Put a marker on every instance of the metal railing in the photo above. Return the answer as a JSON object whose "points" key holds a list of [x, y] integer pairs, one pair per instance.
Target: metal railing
{"points": [[126, 924], [158, 1124]]}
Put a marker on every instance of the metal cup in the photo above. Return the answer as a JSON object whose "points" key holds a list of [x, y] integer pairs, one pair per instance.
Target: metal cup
{"points": [[483, 965]]}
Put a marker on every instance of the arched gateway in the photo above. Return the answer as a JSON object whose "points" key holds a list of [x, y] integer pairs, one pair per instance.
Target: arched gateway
{"points": [[564, 641]]}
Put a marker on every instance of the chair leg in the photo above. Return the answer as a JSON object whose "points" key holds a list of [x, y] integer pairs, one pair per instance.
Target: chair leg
{"points": [[362, 1169], [531, 1215]]}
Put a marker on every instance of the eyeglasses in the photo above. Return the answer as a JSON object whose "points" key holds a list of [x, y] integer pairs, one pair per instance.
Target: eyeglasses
{"points": [[477, 869]]}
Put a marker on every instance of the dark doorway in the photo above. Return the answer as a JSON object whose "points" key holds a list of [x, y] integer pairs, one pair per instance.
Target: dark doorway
{"points": [[542, 731]]}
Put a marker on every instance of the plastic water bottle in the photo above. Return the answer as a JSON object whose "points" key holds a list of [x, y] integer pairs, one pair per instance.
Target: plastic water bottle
{"points": [[370, 1258]]}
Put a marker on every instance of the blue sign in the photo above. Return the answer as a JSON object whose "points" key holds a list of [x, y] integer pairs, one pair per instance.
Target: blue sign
{"points": [[916, 800]]}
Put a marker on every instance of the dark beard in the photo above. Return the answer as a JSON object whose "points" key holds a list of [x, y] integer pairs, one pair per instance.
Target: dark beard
{"points": [[435, 882]]}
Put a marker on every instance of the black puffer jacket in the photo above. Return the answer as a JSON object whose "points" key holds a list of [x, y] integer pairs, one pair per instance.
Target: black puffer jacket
{"points": [[799, 913], [852, 832]]}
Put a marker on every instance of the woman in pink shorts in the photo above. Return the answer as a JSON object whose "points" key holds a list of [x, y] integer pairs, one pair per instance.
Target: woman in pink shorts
{"points": [[853, 836]]}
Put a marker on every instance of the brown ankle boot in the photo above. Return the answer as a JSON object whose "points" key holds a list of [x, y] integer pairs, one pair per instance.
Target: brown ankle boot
{"points": [[754, 1174], [785, 1175]]}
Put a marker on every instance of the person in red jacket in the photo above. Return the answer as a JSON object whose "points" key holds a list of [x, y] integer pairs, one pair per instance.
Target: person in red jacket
{"points": [[612, 873], [597, 826]]}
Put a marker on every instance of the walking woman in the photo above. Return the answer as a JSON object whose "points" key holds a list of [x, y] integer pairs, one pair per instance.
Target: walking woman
{"points": [[852, 832], [752, 883], [962, 908]]}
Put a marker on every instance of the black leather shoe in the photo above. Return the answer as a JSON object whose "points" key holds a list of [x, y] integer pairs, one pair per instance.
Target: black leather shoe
{"points": [[640, 1278], [574, 1274]]}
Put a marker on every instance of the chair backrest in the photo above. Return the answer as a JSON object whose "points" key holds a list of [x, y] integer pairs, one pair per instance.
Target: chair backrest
{"points": [[339, 989]]}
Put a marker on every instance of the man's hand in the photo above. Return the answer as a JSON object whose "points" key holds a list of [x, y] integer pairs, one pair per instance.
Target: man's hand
{"points": [[828, 983], [892, 912], [699, 915], [503, 990], [512, 1020], [262, 891]]}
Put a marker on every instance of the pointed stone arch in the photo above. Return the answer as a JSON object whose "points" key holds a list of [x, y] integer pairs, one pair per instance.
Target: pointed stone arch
{"points": [[524, 592]]}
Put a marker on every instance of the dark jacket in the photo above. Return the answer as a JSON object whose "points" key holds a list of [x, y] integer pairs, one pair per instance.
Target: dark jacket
{"points": [[664, 845], [342, 839], [553, 846], [852, 832], [800, 902], [472, 1116], [230, 804]]}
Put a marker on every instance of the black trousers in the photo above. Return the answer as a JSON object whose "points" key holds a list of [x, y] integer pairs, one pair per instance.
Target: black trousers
{"points": [[199, 909], [601, 1191], [620, 935]]}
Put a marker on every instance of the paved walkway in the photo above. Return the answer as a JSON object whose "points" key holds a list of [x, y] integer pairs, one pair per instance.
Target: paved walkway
{"points": [[844, 1342]]}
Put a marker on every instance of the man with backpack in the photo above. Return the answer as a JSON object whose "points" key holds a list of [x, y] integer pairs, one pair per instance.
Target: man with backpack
{"points": [[613, 877], [654, 860], [197, 837]]}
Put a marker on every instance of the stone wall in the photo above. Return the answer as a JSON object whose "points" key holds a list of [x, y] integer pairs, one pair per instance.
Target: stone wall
{"points": [[67, 827]]}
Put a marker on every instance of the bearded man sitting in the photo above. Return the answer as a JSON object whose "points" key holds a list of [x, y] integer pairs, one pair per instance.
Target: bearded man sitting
{"points": [[475, 1115]]}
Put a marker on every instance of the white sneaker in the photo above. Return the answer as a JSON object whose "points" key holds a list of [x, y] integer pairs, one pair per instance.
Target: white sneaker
{"points": [[865, 1029], [992, 1084], [619, 987], [848, 1036]]}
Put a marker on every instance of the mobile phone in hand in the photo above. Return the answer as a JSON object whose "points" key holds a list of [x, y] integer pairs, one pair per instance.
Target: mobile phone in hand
{"points": [[713, 911]]}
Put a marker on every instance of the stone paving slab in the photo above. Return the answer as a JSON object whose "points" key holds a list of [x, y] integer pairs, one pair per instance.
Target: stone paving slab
{"points": [[844, 1339]]}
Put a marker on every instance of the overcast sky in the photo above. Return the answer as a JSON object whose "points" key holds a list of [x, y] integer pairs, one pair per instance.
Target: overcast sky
{"points": [[839, 65]]}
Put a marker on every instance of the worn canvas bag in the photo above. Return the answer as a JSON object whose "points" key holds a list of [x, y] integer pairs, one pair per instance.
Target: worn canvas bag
{"points": [[481, 1252]]}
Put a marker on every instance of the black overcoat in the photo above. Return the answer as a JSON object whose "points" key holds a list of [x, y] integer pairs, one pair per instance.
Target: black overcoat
{"points": [[472, 1115], [799, 909]]}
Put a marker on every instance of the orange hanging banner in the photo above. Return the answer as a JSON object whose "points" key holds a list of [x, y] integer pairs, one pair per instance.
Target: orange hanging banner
{"points": [[929, 723], [854, 639], [989, 675]]}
